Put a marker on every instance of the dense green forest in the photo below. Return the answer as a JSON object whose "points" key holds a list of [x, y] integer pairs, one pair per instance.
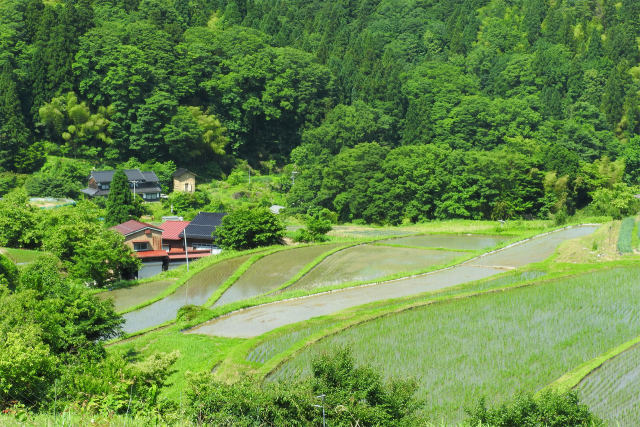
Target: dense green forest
{"points": [[386, 110]]}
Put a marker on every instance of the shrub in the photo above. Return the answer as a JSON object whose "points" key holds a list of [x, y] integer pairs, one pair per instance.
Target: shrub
{"points": [[249, 228], [317, 226], [549, 409], [352, 396]]}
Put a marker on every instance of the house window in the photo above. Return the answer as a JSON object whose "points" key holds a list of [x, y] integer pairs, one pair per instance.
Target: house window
{"points": [[140, 246], [186, 186], [104, 186]]}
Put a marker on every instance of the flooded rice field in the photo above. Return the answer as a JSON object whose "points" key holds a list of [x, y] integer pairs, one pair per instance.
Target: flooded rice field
{"points": [[196, 291], [612, 391], [272, 271], [129, 297], [450, 241], [258, 320], [370, 262]]}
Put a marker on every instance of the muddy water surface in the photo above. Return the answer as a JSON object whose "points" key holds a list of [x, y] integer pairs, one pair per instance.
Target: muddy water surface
{"points": [[258, 320], [272, 271], [196, 291], [128, 297], [369, 262]]}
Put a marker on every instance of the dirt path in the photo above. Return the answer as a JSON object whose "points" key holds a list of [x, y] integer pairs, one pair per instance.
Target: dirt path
{"points": [[261, 319]]}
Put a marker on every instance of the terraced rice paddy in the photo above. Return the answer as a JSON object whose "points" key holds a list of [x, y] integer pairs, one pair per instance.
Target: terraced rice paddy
{"points": [[449, 241], [369, 262], [613, 390], [129, 297], [497, 344], [196, 291], [272, 271], [268, 349]]}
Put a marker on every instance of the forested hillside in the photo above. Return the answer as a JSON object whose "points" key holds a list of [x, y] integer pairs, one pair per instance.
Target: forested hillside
{"points": [[388, 110]]}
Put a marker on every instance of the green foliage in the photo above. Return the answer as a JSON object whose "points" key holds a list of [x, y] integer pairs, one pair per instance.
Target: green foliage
{"points": [[186, 203], [26, 365], [616, 202], [59, 178], [316, 227], [102, 258], [73, 126], [549, 409], [119, 385], [120, 203], [47, 322], [352, 396], [18, 221], [8, 273], [249, 228], [625, 236], [8, 182]]}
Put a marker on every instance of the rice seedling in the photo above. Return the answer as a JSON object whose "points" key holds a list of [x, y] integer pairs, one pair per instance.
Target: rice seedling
{"points": [[273, 346], [613, 390], [267, 349], [496, 344], [624, 238]]}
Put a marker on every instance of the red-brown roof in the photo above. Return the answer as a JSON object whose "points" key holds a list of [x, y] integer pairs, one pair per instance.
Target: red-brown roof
{"points": [[151, 254], [132, 226], [171, 229]]}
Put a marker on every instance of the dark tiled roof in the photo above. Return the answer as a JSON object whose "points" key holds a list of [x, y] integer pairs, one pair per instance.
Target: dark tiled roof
{"points": [[182, 171], [150, 176], [203, 225], [132, 175], [132, 226]]}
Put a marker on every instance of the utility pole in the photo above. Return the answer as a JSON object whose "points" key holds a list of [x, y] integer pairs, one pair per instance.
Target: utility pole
{"points": [[293, 177], [322, 396], [186, 252]]}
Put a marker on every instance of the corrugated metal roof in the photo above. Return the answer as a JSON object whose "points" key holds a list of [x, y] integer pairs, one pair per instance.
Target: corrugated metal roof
{"points": [[203, 225], [171, 229]]}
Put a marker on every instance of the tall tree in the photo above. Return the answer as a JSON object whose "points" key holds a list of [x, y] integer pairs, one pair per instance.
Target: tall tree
{"points": [[14, 136], [120, 204]]}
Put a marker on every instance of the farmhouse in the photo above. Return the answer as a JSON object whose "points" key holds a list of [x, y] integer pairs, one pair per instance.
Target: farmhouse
{"points": [[184, 181], [146, 184], [173, 244], [201, 231], [146, 242]]}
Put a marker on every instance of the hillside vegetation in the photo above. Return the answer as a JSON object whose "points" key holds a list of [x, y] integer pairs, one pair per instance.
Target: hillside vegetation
{"points": [[385, 111]]}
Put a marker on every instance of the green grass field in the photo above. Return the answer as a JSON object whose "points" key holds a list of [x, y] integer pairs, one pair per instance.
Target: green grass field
{"points": [[496, 344], [613, 390], [20, 256]]}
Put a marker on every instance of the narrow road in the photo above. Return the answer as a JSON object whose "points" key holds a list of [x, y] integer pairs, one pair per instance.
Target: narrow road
{"points": [[264, 318]]}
